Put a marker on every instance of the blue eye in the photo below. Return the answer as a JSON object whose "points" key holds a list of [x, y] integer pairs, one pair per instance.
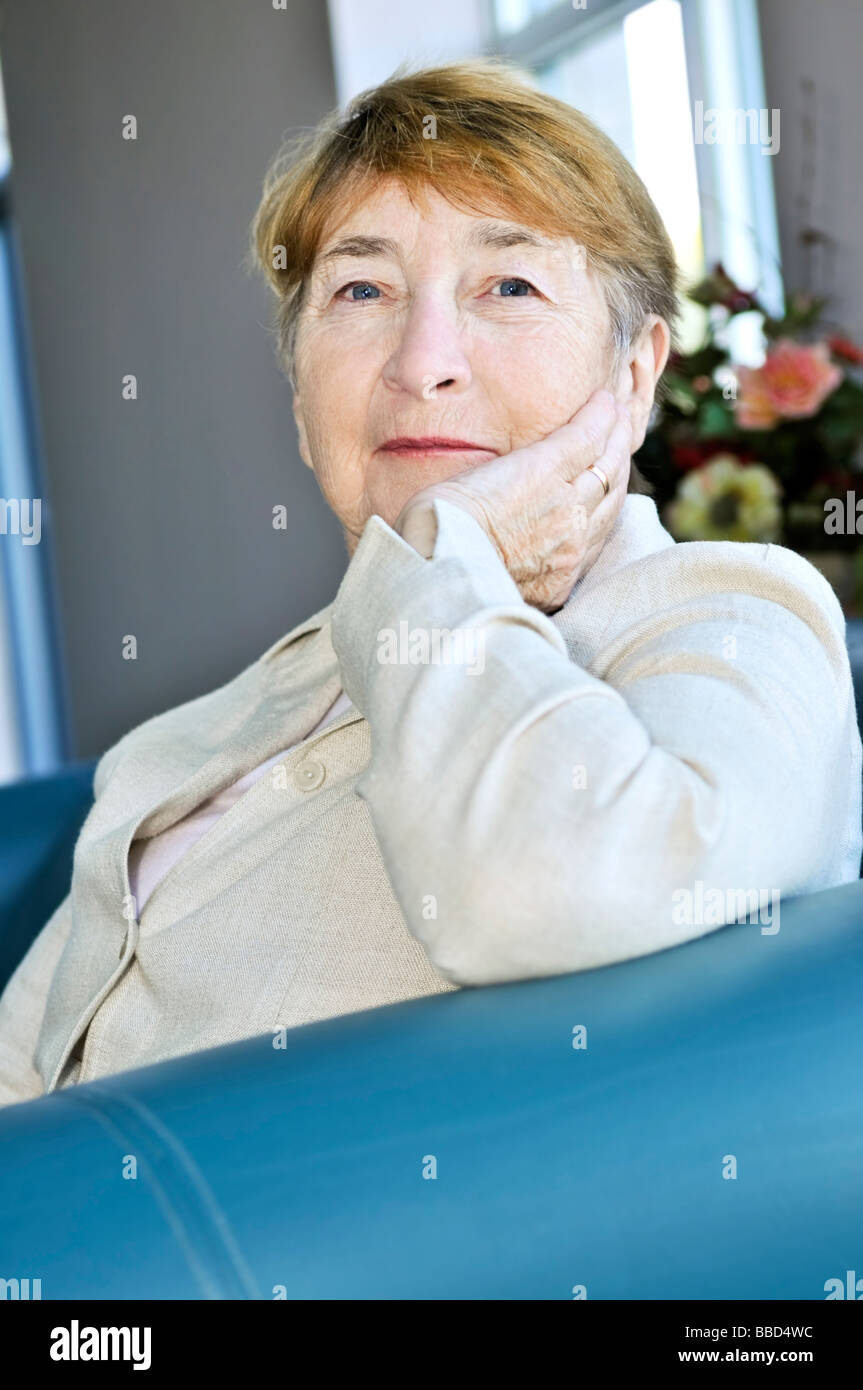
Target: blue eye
{"points": [[522, 287], [362, 285], [362, 290]]}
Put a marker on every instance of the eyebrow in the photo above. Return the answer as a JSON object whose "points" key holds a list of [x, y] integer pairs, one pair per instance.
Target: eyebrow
{"points": [[494, 234]]}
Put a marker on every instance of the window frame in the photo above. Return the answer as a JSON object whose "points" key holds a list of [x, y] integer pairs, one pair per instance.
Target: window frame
{"points": [[34, 702], [737, 175]]}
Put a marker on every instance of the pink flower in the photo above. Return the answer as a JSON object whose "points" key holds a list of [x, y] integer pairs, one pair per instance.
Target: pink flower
{"points": [[792, 385]]}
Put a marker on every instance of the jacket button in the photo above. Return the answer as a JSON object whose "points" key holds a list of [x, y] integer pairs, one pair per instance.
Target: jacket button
{"points": [[309, 775]]}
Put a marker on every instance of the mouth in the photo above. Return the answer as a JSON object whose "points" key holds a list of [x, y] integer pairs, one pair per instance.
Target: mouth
{"points": [[410, 447]]}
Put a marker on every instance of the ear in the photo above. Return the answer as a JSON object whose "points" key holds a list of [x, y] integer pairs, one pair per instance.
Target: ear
{"points": [[636, 380], [305, 454]]}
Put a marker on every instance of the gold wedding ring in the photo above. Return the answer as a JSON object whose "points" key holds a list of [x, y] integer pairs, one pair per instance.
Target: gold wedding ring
{"points": [[606, 487]]}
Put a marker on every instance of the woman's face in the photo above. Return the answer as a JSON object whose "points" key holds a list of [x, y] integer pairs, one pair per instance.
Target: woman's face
{"points": [[463, 326]]}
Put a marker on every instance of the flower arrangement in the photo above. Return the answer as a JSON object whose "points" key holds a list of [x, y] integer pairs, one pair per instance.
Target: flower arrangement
{"points": [[768, 453]]}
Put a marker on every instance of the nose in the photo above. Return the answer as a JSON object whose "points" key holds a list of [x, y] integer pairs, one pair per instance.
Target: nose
{"points": [[429, 354]]}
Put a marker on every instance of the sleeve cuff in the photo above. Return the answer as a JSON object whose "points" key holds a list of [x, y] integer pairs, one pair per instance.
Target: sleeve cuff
{"points": [[389, 588]]}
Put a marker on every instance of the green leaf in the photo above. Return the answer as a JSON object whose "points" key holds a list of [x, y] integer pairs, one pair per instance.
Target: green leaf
{"points": [[714, 419]]}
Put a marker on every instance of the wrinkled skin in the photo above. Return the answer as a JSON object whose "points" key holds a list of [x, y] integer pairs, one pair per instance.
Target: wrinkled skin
{"points": [[540, 506], [506, 347]]}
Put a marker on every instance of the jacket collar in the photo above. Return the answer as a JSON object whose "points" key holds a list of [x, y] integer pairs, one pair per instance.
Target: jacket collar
{"points": [[637, 532], [271, 705], [317, 621], [582, 620]]}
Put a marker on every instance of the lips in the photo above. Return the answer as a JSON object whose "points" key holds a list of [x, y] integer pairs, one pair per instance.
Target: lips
{"points": [[432, 444]]}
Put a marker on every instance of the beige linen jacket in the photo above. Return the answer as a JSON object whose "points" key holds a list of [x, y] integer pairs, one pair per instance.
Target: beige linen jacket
{"points": [[533, 802]]}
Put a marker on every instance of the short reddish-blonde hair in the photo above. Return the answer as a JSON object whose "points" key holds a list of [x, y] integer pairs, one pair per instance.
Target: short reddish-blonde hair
{"points": [[486, 139]]}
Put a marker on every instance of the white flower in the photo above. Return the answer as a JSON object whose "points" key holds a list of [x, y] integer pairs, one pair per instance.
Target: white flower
{"points": [[726, 500]]}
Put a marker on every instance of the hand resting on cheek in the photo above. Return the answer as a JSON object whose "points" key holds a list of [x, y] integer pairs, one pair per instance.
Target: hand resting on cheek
{"points": [[540, 505]]}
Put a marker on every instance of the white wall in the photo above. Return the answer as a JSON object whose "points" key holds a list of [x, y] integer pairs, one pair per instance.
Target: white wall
{"points": [[371, 37]]}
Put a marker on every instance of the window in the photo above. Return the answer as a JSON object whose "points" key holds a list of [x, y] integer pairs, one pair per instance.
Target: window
{"points": [[647, 71], [512, 15], [32, 736], [630, 76]]}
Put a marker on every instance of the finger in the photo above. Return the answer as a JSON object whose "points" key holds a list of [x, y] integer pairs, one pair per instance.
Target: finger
{"points": [[596, 476], [584, 439], [592, 506], [571, 447], [614, 462], [602, 403]]}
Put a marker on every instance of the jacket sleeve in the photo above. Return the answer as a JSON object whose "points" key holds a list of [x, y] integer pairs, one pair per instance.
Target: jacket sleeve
{"points": [[536, 818], [22, 1009]]}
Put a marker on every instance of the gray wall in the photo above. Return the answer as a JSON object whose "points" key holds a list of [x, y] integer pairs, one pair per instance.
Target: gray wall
{"points": [[818, 167], [161, 509]]}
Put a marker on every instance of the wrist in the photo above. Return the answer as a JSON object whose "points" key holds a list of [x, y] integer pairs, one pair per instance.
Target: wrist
{"points": [[417, 524]]}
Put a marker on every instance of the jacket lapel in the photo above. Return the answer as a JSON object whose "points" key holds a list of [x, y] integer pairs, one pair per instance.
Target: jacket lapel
{"points": [[179, 759], [172, 763], [269, 707], [583, 620]]}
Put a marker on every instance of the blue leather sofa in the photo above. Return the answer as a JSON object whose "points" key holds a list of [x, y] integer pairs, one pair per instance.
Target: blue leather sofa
{"points": [[705, 1143]]}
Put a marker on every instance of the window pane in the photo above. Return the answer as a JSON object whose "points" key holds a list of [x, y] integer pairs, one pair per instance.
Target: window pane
{"points": [[631, 79], [31, 733], [510, 15], [5, 156]]}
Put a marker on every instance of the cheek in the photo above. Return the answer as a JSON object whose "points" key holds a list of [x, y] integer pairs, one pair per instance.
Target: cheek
{"points": [[335, 392], [544, 371]]}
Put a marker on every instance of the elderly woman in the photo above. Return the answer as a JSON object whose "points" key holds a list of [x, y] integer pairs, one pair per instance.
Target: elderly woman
{"points": [[531, 734]]}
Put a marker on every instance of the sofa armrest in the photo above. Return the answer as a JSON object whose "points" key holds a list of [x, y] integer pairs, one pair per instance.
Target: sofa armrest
{"points": [[703, 1143], [39, 823]]}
